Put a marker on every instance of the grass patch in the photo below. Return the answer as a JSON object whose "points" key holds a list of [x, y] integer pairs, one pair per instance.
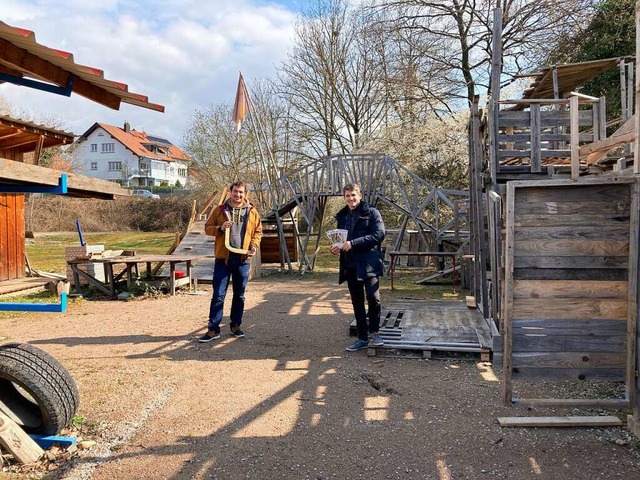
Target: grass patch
{"points": [[404, 281], [46, 251]]}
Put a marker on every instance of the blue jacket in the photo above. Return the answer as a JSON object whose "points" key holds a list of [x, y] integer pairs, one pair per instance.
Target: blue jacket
{"points": [[366, 242]]}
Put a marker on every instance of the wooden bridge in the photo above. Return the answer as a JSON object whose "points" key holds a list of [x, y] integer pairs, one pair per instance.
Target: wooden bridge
{"points": [[439, 215]]}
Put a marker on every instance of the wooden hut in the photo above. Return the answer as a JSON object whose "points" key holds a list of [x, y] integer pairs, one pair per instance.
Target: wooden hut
{"points": [[554, 233]]}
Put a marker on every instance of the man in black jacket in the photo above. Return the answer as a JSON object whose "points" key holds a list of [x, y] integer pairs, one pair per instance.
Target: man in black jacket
{"points": [[361, 263]]}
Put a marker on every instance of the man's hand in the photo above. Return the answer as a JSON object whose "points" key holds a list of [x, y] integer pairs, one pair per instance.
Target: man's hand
{"points": [[346, 246], [335, 249], [252, 251], [226, 225]]}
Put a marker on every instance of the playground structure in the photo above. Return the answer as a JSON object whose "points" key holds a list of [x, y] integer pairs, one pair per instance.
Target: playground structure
{"points": [[439, 215]]}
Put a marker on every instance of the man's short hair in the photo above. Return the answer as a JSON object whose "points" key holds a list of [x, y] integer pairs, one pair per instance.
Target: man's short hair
{"points": [[238, 184], [351, 187]]}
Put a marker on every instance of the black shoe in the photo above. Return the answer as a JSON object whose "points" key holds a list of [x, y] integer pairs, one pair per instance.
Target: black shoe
{"points": [[237, 333], [210, 335]]}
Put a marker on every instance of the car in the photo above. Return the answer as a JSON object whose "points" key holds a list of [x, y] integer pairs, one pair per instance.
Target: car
{"points": [[145, 193]]}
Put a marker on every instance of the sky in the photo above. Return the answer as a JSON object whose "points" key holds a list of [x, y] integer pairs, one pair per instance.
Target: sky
{"points": [[183, 54]]}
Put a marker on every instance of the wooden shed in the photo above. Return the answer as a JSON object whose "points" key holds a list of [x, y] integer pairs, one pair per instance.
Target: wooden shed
{"points": [[24, 61], [18, 138]]}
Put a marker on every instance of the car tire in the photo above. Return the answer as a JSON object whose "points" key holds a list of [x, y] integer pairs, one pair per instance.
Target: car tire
{"points": [[36, 391]]}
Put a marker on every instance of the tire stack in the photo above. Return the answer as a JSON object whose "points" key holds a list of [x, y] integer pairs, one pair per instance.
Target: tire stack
{"points": [[36, 391]]}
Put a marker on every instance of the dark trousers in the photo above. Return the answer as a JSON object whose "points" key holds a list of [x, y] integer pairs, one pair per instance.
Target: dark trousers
{"points": [[368, 289], [237, 271]]}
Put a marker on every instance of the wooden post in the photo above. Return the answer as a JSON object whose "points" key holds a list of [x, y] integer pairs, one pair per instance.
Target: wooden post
{"points": [[17, 442], [633, 356], [575, 136], [494, 106], [536, 156], [507, 389], [636, 143]]}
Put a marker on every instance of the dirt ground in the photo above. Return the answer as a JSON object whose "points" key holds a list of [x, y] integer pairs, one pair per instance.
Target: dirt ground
{"points": [[288, 401]]}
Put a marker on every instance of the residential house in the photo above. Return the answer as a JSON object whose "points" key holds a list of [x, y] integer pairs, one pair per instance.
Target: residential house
{"points": [[130, 157]]}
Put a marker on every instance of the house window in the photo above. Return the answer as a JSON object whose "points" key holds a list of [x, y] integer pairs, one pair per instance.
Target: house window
{"points": [[94, 165], [94, 147], [108, 147], [114, 166], [182, 172]]}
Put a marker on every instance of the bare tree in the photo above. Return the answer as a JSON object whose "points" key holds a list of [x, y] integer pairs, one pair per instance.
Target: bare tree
{"points": [[332, 79], [458, 36], [220, 154]]}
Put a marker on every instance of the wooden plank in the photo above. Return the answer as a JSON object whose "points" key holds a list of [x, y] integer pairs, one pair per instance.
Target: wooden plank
{"points": [[548, 118], [602, 274], [4, 237], [569, 326], [527, 153], [580, 192], [12, 243], [587, 207], [17, 442], [571, 262], [545, 138], [570, 360], [612, 403], [604, 220], [34, 174], [569, 289], [572, 374], [568, 308], [586, 421], [20, 284], [568, 343], [20, 236], [572, 248], [574, 232]]}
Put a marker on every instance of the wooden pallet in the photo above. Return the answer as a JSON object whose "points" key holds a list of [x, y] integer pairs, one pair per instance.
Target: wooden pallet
{"points": [[422, 328]]}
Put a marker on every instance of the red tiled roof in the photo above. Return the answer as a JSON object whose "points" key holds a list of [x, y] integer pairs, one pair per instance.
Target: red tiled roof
{"points": [[21, 56], [135, 141]]}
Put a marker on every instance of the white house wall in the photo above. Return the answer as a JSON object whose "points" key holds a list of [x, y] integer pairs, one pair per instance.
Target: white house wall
{"points": [[97, 163]]}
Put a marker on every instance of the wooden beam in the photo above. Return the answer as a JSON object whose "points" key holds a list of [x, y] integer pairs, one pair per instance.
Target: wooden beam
{"points": [[17, 442], [586, 421], [596, 151], [24, 61], [41, 69], [12, 171]]}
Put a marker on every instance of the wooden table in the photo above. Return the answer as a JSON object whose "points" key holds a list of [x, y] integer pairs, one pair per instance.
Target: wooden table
{"points": [[131, 264], [394, 255]]}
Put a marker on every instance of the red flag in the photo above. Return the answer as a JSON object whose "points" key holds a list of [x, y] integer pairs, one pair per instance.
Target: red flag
{"points": [[241, 107]]}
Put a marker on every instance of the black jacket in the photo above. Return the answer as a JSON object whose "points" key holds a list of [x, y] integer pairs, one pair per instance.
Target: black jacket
{"points": [[366, 241]]}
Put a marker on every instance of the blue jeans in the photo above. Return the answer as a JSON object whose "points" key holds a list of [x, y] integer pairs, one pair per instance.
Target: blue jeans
{"points": [[361, 290], [238, 271]]}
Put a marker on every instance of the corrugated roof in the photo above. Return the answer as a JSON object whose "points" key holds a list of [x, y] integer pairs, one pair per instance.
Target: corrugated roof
{"points": [[570, 77], [22, 56]]}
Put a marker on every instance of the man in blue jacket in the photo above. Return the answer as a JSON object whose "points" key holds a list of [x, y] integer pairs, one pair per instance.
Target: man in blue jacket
{"points": [[361, 263]]}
